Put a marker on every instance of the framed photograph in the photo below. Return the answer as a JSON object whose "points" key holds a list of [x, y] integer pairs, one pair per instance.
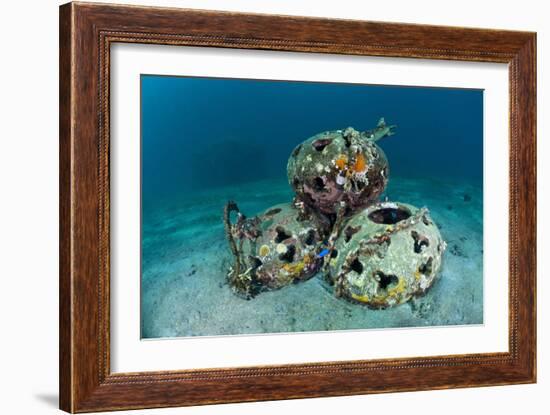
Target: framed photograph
{"points": [[259, 207]]}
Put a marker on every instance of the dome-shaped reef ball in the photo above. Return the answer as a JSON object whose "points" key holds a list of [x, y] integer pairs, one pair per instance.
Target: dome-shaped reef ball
{"points": [[340, 169], [273, 249], [386, 254]]}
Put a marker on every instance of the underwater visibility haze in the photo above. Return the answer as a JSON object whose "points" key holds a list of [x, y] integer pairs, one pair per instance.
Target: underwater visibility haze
{"points": [[207, 141]]}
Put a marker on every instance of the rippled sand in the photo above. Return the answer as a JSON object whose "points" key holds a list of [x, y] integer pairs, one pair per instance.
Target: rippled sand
{"points": [[185, 258]]}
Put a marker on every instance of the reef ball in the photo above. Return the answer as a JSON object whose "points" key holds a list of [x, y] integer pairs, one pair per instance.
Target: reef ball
{"points": [[273, 249], [386, 254], [340, 168]]}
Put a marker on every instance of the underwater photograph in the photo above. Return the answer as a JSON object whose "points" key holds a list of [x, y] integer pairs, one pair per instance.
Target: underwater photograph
{"points": [[272, 206]]}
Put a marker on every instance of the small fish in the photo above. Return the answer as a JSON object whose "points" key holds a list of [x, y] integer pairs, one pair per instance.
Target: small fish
{"points": [[323, 253]]}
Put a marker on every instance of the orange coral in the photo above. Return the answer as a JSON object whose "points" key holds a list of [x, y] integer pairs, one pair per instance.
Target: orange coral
{"points": [[341, 161], [360, 164]]}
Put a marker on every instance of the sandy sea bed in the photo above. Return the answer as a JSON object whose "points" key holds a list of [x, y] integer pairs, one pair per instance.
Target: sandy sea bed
{"points": [[185, 258]]}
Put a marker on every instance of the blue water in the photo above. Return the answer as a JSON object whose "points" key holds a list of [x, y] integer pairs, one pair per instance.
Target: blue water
{"points": [[206, 140]]}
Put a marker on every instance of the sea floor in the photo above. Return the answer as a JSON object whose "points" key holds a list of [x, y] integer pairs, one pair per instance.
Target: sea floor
{"points": [[185, 258]]}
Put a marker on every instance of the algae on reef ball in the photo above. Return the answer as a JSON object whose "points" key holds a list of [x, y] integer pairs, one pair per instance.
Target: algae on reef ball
{"points": [[275, 248], [340, 167], [374, 253], [387, 253]]}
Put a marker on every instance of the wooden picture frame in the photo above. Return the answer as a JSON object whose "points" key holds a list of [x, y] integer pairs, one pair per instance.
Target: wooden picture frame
{"points": [[86, 33]]}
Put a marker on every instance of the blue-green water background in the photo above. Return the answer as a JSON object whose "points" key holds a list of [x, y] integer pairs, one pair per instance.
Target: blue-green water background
{"points": [[199, 133], [205, 141]]}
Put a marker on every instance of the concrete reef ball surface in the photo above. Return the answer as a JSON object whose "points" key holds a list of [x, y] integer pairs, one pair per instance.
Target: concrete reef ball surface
{"points": [[386, 254], [284, 250], [338, 167]]}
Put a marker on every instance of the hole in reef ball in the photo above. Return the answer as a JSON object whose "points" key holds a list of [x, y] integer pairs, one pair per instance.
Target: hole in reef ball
{"points": [[310, 237], [420, 241], [320, 144], [350, 231], [389, 216], [282, 235], [318, 183], [357, 266], [255, 262], [288, 256], [385, 280], [426, 268], [272, 212]]}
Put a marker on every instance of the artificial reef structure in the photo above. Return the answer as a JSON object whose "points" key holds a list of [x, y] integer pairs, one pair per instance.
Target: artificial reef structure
{"points": [[343, 168], [375, 253], [275, 248], [389, 252]]}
